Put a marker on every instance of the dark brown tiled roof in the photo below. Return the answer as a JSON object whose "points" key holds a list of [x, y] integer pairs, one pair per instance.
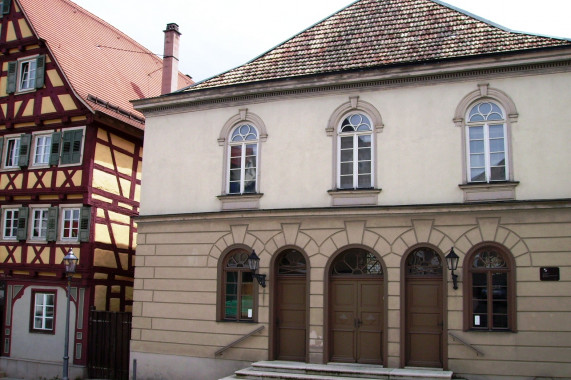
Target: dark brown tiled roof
{"points": [[373, 33]]}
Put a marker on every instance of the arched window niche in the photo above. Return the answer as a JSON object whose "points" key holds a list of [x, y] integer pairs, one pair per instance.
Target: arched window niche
{"points": [[486, 116], [241, 138], [354, 127]]}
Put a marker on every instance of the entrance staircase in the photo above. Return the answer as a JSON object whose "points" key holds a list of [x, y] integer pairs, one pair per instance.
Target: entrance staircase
{"points": [[283, 370]]}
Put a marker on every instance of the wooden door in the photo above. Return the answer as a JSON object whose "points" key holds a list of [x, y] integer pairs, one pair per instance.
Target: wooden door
{"points": [[424, 322], [356, 320], [291, 319]]}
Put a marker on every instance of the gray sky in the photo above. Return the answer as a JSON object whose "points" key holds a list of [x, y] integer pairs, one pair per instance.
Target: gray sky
{"points": [[218, 35]]}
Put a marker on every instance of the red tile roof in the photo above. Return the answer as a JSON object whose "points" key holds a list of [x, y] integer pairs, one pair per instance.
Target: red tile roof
{"points": [[376, 33], [98, 60]]}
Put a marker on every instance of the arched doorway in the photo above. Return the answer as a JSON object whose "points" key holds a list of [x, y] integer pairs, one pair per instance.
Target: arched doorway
{"points": [[424, 309], [356, 308], [290, 316]]}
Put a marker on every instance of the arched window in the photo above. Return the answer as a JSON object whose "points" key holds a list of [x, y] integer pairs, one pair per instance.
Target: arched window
{"points": [[243, 160], [490, 290], [356, 262], [355, 159], [239, 293], [486, 143], [424, 262]]}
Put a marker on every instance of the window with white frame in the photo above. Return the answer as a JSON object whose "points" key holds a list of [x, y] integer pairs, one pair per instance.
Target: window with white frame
{"points": [[27, 74], [39, 225], [70, 223], [43, 313], [10, 223], [486, 143], [355, 156], [42, 149], [11, 152], [243, 160]]}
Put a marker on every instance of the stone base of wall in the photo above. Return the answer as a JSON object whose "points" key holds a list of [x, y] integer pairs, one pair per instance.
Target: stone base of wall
{"points": [[151, 366], [34, 370]]}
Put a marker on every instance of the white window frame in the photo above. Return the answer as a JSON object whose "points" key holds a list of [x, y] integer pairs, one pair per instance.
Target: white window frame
{"points": [[15, 153], [41, 304], [43, 219], [30, 81], [243, 145], [63, 220], [46, 148], [13, 210], [485, 125], [355, 153]]}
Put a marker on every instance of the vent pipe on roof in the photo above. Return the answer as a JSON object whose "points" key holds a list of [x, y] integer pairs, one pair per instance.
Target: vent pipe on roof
{"points": [[170, 59]]}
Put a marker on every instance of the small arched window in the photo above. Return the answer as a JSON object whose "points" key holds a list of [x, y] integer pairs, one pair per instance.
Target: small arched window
{"points": [[243, 160], [486, 143], [238, 296], [490, 290], [355, 157]]}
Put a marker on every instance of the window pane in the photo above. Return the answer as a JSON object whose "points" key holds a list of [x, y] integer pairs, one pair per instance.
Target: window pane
{"points": [[364, 181], [230, 306], [498, 173], [479, 279], [346, 182], [496, 145], [250, 187], [477, 146], [235, 174], [478, 175], [477, 161], [501, 307], [364, 141], [497, 159], [500, 279], [346, 168], [496, 131], [480, 321], [364, 154], [364, 167], [234, 188], [476, 133], [347, 142], [346, 155], [500, 321]]}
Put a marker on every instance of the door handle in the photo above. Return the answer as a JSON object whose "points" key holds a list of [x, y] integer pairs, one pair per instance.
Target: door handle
{"points": [[358, 323]]}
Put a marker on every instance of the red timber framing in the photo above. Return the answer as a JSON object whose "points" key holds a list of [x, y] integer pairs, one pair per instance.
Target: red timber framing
{"points": [[92, 195]]}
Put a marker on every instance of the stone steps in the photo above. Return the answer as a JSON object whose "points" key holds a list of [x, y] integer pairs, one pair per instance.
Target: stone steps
{"points": [[283, 370]]}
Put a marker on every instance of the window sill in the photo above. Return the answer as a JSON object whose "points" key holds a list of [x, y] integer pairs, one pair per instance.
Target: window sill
{"points": [[354, 197], [494, 191], [240, 201]]}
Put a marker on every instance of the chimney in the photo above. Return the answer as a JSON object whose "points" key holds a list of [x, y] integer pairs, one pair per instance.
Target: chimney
{"points": [[170, 59]]}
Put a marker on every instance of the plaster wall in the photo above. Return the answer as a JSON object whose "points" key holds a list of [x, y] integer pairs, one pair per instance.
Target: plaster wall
{"points": [[419, 151]]}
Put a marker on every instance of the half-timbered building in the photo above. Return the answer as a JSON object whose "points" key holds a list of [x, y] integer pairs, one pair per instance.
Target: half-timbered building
{"points": [[352, 159], [70, 174]]}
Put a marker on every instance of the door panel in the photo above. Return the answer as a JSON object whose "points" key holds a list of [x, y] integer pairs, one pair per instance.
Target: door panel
{"points": [[291, 319], [356, 321], [424, 322]]}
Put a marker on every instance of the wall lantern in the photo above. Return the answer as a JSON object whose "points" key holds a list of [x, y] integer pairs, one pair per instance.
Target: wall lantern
{"points": [[452, 262], [254, 264], [70, 261]]}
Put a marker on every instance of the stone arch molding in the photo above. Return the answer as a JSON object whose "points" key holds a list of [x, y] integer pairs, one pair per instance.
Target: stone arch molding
{"points": [[483, 92], [243, 116], [354, 104]]}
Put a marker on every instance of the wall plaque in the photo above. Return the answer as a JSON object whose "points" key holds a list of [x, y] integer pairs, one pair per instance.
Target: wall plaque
{"points": [[549, 273]]}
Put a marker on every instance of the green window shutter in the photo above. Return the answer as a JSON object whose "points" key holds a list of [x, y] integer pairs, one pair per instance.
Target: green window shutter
{"points": [[71, 146], [54, 153], [84, 219], [51, 233], [40, 71], [1, 149], [24, 156], [22, 230], [11, 83], [6, 7]]}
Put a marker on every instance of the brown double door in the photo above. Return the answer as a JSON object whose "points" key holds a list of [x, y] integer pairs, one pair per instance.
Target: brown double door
{"points": [[291, 318], [424, 322], [356, 320]]}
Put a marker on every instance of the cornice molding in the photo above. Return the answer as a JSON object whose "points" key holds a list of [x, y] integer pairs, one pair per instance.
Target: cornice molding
{"points": [[370, 79]]}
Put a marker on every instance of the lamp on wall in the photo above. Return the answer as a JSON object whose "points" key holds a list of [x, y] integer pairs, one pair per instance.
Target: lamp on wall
{"points": [[254, 264], [452, 261], [70, 261]]}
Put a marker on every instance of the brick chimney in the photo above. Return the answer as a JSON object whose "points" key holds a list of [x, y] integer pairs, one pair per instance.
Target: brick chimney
{"points": [[170, 59]]}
